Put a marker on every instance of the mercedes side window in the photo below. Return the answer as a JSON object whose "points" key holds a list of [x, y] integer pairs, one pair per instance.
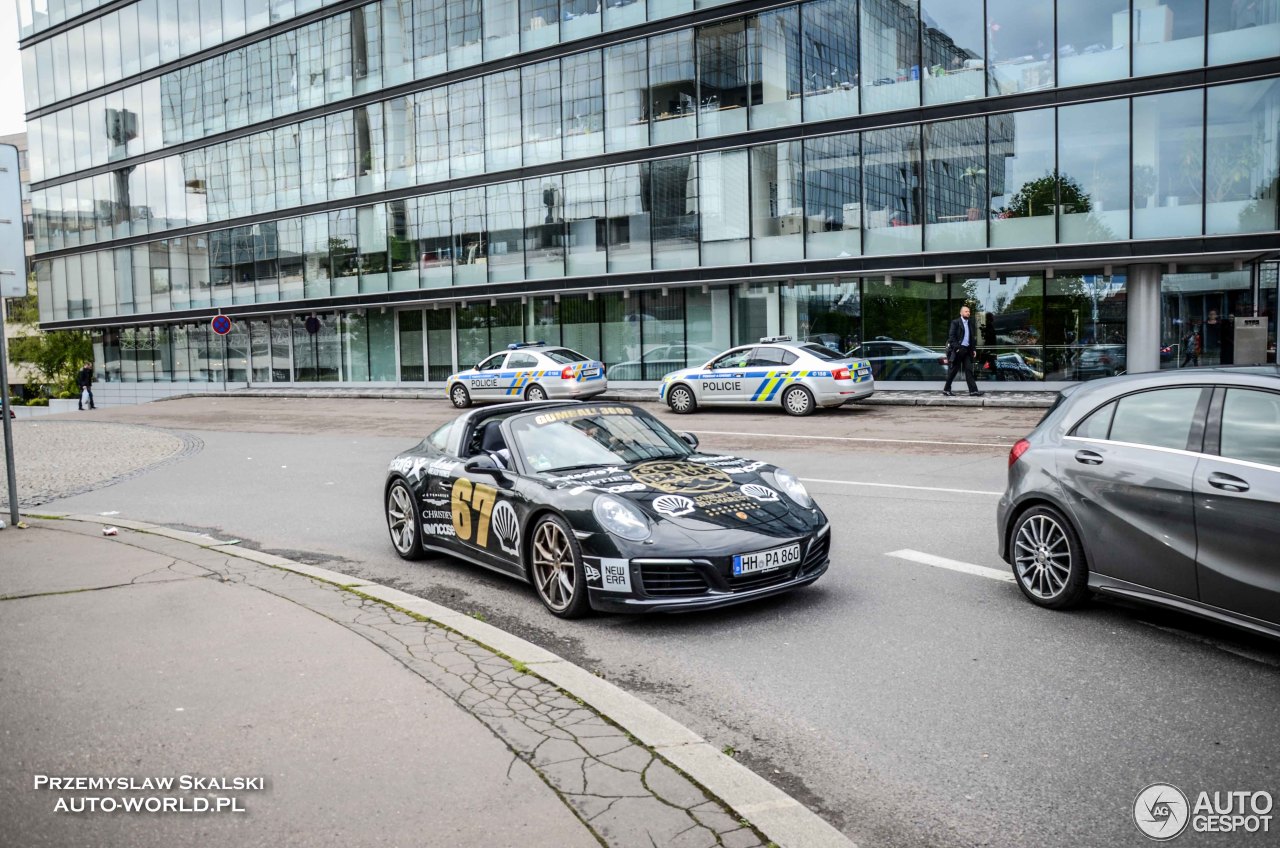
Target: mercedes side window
{"points": [[521, 360], [1161, 418], [493, 363], [1251, 426], [1097, 425], [732, 359]]}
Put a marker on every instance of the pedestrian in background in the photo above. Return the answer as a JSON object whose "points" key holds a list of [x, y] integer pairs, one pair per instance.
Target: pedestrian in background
{"points": [[962, 343], [85, 381], [1191, 347]]}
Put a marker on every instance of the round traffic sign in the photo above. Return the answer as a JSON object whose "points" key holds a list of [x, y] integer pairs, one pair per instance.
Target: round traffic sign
{"points": [[221, 324]]}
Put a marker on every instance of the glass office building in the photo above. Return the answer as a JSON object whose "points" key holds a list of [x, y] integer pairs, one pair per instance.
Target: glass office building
{"points": [[380, 193]]}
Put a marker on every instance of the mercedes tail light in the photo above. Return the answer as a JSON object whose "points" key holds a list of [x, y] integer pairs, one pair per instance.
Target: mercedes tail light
{"points": [[1018, 449]]}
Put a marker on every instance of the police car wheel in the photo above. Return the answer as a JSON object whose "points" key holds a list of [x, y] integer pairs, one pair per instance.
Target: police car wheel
{"points": [[681, 400], [460, 397], [555, 567], [535, 392], [403, 522], [797, 401]]}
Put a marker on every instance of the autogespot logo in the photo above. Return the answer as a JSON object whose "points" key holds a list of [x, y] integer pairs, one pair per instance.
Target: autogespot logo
{"points": [[1160, 811]]}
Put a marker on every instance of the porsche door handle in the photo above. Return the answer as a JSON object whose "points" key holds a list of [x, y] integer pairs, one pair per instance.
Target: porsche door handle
{"points": [[1088, 457], [1227, 482]]}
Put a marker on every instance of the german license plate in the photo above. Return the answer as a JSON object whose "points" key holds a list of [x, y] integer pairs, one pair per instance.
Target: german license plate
{"points": [[766, 560]]}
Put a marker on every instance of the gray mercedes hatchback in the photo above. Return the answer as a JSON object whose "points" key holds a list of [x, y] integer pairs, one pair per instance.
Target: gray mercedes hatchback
{"points": [[1162, 488]]}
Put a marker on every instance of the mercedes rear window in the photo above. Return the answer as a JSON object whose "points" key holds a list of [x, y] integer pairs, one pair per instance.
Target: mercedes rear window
{"points": [[564, 356]]}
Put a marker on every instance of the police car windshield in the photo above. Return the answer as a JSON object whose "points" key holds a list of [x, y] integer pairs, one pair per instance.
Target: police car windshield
{"points": [[592, 436], [564, 356], [826, 354]]}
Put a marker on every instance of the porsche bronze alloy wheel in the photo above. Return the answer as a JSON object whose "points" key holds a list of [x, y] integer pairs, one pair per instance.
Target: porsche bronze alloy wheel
{"points": [[460, 397], [402, 521], [556, 569], [1047, 559], [681, 400]]}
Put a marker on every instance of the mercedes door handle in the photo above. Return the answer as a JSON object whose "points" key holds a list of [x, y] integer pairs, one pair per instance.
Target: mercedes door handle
{"points": [[1088, 457], [1227, 482]]}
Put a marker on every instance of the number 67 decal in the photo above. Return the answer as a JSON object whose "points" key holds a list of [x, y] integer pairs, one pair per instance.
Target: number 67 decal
{"points": [[465, 498]]}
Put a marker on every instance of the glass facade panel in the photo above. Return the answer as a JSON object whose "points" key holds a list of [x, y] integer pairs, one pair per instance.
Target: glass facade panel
{"points": [[916, 314], [1085, 318], [777, 202], [673, 87], [539, 23], [1239, 31], [773, 43], [725, 207], [434, 240], [582, 102], [830, 52], [826, 313], [1199, 306], [891, 184], [954, 50], [440, 344], [412, 346], [1019, 45], [627, 207], [1168, 133], [1243, 147], [890, 54], [505, 214], [833, 196], [723, 78], [626, 75], [956, 187], [541, 112], [1093, 160], [1021, 163], [502, 121], [584, 214], [1093, 41], [673, 188], [544, 228], [471, 243], [1168, 36]]}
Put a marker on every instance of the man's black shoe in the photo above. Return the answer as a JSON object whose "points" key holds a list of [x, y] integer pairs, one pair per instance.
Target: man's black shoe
{"points": [[948, 393], [975, 394]]}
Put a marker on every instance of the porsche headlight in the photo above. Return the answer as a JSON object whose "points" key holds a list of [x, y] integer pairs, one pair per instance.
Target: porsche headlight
{"points": [[792, 487], [620, 518]]}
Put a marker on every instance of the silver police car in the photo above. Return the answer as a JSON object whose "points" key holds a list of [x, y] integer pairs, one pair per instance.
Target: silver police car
{"points": [[529, 371], [799, 377]]}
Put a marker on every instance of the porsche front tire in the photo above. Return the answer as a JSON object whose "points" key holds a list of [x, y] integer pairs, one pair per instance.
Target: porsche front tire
{"points": [[555, 566]]}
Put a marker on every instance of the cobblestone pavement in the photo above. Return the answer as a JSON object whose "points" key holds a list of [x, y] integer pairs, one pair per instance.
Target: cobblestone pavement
{"points": [[58, 459], [627, 795]]}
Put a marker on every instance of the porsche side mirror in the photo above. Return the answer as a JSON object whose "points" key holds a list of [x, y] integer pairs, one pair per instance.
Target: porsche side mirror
{"points": [[690, 440], [483, 465]]}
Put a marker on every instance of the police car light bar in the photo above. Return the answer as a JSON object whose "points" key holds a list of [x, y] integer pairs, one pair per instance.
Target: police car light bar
{"points": [[518, 345], [772, 339]]}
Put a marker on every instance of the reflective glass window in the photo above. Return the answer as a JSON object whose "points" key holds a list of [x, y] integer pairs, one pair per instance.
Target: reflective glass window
{"points": [[953, 38], [627, 208], [539, 23], [287, 141], [583, 104], [626, 96], [912, 312], [623, 13], [341, 154], [501, 28], [440, 359], [179, 273], [221, 267], [340, 39], [244, 268], [1093, 158], [170, 31], [1161, 418], [502, 121], [233, 19], [1251, 426], [130, 48], [773, 41], [310, 74], [1020, 172], [891, 185], [93, 66], [430, 134], [412, 345], [777, 202], [1093, 41], [673, 87], [366, 48], [825, 313], [504, 209], [1085, 315], [315, 245], [434, 240], [1019, 45], [371, 228], [235, 89], [544, 229], [584, 213], [1243, 29], [369, 148], [291, 258], [312, 163], [397, 41], [540, 98], [833, 196], [620, 320], [210, 23], [1009, 315], [1168, 36], [398, 136], [674, 203], [466, 128], [257, 14], [1167, 186], [344, 251], [463, 32], [890, 54], [285, 67], [579, 18], [402, 260], [725, 206], [430, 47], [198, 267], [471, 241], [75, 48], [956, 184], [1243, 147], [723, 78]]}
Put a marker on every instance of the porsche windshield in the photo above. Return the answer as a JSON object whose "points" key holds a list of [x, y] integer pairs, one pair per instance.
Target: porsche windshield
{"points": [[592, 435]]}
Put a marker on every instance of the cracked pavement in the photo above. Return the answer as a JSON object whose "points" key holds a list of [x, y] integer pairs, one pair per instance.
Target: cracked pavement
{"points": [[621, 793]]}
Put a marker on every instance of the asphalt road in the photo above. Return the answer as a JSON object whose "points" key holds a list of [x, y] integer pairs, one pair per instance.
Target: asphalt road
{"points": [[910, 705]]}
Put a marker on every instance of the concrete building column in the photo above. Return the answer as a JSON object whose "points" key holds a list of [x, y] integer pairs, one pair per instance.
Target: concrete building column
{"points": [[1144, 319]]}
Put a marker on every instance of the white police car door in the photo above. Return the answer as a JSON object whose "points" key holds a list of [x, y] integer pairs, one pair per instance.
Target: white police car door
{"points": [[485, 383], [724, 381], [767, 373], [522, 368]]}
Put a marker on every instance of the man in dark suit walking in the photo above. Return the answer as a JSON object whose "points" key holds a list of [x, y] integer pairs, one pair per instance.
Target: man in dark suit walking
{"points": [[962, 344]]}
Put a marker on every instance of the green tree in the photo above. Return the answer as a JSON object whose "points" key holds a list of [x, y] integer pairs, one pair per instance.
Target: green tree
{"points": [[56, 356], [1040, 196]]}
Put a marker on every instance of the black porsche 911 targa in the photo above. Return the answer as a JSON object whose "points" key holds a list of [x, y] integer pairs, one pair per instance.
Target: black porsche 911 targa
{"points": [[602, 506]]}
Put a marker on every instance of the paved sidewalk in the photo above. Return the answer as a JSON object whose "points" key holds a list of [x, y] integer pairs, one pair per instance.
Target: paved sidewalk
{"points": [[150, 655]]}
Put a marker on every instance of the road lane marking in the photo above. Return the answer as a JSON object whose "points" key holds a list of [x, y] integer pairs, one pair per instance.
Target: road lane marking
{"points": [[855, 439], [953, 564], [901, 486]]}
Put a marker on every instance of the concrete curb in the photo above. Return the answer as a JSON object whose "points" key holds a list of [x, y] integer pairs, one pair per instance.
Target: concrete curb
{"points": [[781, 818]]}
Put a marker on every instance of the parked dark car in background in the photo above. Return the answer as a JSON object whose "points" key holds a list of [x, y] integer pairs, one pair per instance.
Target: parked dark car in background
{"points": [[1161, 487], [892, 359]]}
